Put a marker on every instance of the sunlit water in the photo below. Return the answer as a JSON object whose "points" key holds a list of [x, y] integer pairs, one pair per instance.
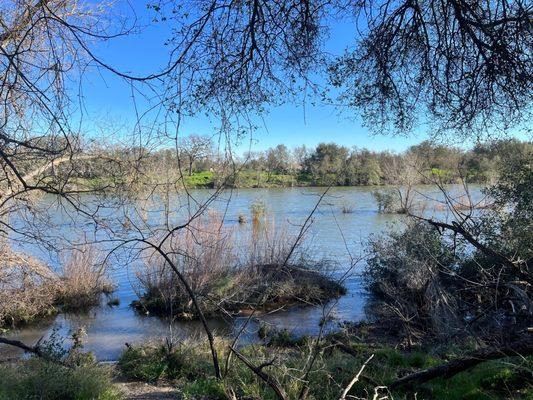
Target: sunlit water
{"points": [[333, 236]]}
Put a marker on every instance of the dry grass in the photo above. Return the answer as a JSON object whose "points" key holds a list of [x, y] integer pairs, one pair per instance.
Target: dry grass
{"points": [[228, 278], [28, 288], [83, 279]]}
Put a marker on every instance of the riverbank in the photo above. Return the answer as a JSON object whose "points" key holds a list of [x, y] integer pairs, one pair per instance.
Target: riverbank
{"points": [[244, 179], [183, 370]]}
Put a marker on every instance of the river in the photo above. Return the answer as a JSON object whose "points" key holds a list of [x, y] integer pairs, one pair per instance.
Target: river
{"points": [[332, 234]]}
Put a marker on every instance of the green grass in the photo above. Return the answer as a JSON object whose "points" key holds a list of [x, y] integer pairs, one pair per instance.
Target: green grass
{"points": [[204, 179], [502, 379], [38, 379]]}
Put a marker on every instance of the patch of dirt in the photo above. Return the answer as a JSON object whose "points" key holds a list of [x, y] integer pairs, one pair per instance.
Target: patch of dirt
{"points": [[145, 391]]}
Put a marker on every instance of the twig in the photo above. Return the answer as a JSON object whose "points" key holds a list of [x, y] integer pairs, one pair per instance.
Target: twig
{"points": [[355, 379], [270, 381]]}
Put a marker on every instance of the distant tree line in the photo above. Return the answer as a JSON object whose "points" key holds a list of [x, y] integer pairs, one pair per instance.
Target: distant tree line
{"points": [[198, 163]]}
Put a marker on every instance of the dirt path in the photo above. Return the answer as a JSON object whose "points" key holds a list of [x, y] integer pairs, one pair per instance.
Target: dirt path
{"points": [[144, 391]]}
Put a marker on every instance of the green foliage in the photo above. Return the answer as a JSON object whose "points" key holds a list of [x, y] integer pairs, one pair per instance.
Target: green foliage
{"points": [[420, 273], [327, 164], [388, 200], [333, 369], [62, 375], [202, 179], [502, 379], [152, 362]]}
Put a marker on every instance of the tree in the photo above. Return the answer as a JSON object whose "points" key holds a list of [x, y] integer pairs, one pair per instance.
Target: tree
{"points": [[277, 160], [195, 148], [300, 155], [327, 163], [404, 172], [42, 48], [462, 66]]}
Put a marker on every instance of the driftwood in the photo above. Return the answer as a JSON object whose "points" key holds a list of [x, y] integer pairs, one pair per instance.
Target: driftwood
{"points": [[346, 390], [28, 349], [522, 348]]}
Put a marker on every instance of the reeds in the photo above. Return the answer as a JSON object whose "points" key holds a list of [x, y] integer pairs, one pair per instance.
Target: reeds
{"points": [[226, 278], [83, 279], [28, 288]]}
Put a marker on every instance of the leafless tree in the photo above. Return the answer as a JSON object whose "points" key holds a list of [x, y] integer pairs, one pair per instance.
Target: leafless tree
{"points": [[194, 148]]}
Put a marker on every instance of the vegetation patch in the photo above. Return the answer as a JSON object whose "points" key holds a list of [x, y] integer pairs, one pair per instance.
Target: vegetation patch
{"points": [[334, 368], [31, 290], [58, 374], [262, 287], [229, 279]]}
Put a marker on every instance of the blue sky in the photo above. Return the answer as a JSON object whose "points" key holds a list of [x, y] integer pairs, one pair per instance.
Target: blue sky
{"points": [[108, 97]]}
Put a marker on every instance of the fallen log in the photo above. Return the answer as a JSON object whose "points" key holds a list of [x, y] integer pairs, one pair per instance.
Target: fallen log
{"points": [[522, 348], [28, 349], [35, 350]]}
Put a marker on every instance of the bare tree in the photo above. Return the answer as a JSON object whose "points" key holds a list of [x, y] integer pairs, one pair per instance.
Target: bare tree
{"points": [[194, 148]]}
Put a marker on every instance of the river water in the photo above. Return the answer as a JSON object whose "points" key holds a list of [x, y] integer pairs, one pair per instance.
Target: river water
{"points": [[334, 235]]}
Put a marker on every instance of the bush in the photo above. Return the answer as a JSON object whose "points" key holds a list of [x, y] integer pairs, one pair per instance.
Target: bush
{"points": [[409, 274], [388, 201], [285, 338], [61, 375]]}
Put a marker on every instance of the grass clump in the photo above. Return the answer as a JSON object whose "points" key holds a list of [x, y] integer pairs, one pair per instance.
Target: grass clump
{"points": [[61, 375], [161, 360], [38, 379], [204, 387], [347, 208], [83, 280]]}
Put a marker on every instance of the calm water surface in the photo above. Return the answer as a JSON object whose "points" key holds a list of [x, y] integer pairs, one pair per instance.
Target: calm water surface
{"points": [[332, 234]]}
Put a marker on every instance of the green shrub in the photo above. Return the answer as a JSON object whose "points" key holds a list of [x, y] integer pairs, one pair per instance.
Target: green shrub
{"points": [[155, 361], [45, 380], [285, 338], [145, 364], [211, 388], [388, 201]]}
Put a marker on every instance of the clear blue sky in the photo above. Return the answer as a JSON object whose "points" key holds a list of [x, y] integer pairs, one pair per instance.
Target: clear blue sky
{"points": [[108, 97]]}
